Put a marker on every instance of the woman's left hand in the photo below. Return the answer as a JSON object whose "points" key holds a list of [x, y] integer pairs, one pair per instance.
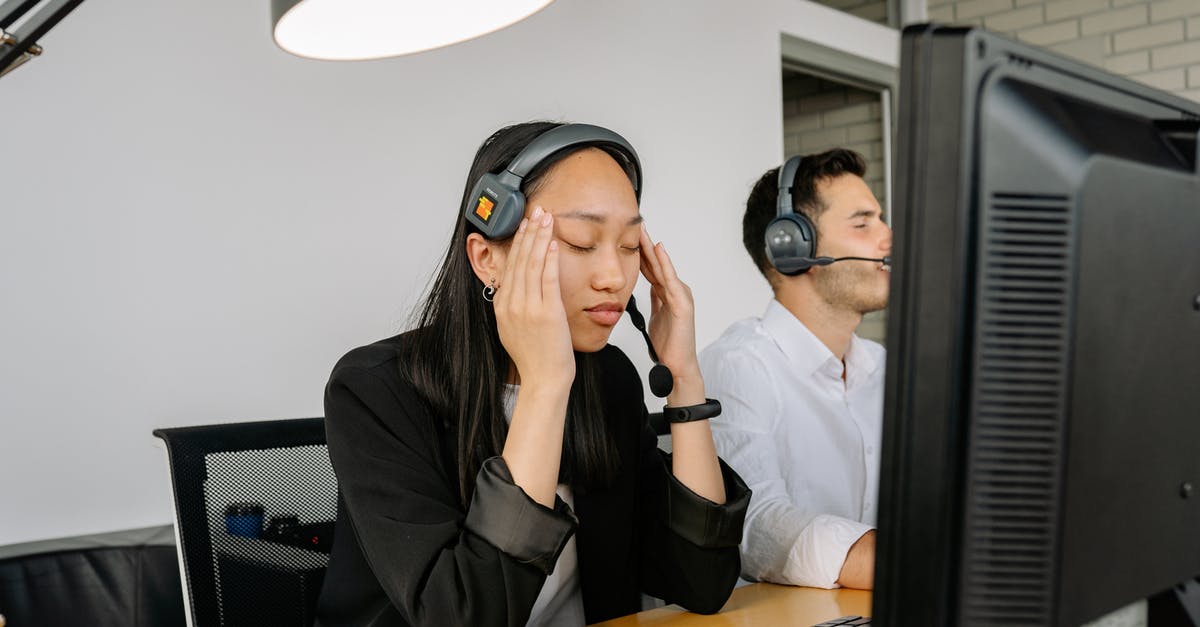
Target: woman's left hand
{"points": [[673, 332], [672, 323]]}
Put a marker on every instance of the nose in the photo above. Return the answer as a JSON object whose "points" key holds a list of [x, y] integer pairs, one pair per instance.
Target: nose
{"points": [[886, 243], [607, 274]]}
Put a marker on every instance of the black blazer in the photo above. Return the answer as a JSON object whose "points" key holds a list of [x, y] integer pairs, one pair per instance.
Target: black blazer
{"points": [[406, 551]]}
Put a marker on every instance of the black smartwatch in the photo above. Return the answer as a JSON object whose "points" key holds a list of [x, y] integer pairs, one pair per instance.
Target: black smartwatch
{"points": [[709, 408]]}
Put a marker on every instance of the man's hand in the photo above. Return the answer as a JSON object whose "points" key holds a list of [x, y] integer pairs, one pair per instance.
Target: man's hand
{"points": [[858, 571]]}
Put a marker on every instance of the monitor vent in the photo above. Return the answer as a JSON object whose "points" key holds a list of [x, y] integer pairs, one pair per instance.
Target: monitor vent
{"points": [[1010, 546]]}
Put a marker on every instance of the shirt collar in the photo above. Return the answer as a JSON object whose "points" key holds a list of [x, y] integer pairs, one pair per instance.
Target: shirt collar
{"points": [[807, 353], [859, 361]]}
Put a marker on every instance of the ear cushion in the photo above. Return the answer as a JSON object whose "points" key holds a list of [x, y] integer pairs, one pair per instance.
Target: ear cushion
{"points": [[495, 208], [791, 242]]}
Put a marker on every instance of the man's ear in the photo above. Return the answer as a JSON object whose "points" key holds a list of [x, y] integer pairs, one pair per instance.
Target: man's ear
{"points": [[486, 257]]}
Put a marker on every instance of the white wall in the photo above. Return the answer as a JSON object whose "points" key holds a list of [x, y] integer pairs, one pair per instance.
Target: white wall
{"points": [[194, 225]]}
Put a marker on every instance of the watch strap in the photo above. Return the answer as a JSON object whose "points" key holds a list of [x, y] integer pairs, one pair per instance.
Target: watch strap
{"points": [[709, 408]]}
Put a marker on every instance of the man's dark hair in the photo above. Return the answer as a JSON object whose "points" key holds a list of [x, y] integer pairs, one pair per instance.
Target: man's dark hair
{"points": [[760, 206]]}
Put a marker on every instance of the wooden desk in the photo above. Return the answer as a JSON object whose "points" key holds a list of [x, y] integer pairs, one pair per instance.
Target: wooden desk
{"points": [[759, 605]]}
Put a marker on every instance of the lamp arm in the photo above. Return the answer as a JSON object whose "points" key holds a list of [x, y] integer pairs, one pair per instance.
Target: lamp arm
{"points": [[19, 46]]}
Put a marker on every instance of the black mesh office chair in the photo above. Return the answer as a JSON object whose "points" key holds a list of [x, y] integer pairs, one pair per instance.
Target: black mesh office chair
{"points": [[255, 505]]}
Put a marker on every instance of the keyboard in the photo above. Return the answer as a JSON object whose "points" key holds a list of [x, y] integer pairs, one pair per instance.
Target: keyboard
{"points": [[847, 621]]}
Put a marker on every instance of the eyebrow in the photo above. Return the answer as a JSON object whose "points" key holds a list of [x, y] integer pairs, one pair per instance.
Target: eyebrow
{"points": [[588, 216], [863, 213]]}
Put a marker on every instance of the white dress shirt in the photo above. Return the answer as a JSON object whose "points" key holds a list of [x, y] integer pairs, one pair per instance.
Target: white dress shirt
{"points": [[560, 603], [805, 441]]}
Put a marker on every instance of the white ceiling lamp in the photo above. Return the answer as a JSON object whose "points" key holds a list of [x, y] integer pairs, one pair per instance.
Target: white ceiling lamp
{"points": [[351, 30]]}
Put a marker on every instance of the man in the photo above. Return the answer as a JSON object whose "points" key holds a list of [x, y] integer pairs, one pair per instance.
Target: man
{"points": [[802, 394]]}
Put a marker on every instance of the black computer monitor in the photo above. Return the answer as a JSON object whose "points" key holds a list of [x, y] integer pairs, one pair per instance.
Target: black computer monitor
{"points": [[1041, 460]]}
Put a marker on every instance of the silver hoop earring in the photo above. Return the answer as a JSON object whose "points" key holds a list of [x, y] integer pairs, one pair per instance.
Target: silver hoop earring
{"points": [[489, 290]]}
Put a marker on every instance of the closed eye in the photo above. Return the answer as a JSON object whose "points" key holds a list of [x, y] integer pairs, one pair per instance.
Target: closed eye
{"points": [[630, 250]]}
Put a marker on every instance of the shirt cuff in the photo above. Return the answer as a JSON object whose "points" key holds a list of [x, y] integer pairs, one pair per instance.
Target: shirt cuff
{"points": [[699, 520], [817, 557], [520, 527]]}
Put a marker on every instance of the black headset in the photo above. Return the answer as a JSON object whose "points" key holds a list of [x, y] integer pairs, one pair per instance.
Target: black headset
{"points": [[791, 238], [497, 205]]}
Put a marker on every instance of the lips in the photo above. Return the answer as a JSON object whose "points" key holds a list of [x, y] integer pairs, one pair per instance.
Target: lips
{"points": [[605, 314]]}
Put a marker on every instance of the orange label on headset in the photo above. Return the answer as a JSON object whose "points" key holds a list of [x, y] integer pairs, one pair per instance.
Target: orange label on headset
{"points": [[484, 208]]}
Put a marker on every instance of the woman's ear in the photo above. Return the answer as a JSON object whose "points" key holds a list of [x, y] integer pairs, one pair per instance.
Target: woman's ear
{"points": [[487, 258]]}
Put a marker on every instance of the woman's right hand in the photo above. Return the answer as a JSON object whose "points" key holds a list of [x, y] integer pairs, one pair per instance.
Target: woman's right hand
{"points": [[530, 315]]}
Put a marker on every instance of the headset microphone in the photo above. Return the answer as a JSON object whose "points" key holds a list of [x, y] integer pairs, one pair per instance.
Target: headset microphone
{"points": [[824, 261], [661, 380], [791, 238]]}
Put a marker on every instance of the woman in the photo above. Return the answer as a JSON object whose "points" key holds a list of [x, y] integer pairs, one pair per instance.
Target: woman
{"points": [[495, 465]]}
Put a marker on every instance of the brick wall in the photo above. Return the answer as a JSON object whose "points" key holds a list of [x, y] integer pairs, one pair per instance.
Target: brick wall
{"points": [[1156, 42], [819, 115]]}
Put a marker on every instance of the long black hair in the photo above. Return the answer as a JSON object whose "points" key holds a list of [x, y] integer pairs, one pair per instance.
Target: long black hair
{"points": [[459, 365]]}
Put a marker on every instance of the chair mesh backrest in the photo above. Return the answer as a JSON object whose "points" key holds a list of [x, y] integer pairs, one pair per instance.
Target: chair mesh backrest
{"points": [[255, 504]]}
